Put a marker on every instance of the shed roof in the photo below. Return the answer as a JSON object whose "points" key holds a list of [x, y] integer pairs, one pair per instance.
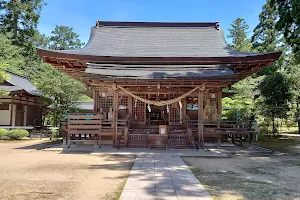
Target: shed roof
{"points": [[19, 83]]}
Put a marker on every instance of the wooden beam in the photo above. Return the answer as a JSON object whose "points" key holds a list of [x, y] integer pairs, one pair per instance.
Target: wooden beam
{"points": [[200, 118]]}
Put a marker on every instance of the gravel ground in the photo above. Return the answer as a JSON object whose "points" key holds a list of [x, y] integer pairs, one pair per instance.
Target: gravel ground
{"points": [[276, 177], [26, 173]]}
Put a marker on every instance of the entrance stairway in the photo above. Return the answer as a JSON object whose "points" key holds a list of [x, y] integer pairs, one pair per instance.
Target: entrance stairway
{"points": [[147, 136]]}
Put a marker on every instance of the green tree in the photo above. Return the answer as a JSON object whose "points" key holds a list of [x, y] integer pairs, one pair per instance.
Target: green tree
{"points": [[293, 71], [241, 104], [276, 96], [11, 55], [63, 91], [265, 37], [238, 33], [63, 37], [289, 23], [20, 19], [41, 40]]}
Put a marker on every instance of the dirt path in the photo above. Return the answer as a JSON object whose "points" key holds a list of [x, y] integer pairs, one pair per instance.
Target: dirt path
{"points": [[264, 178], [30, 174]]}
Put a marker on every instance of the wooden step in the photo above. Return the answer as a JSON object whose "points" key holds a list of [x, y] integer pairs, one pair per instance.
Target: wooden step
{"points": [[158, 147]]}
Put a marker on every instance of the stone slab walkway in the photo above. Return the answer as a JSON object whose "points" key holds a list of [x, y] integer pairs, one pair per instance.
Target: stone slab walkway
{"points": [[162, 177]]}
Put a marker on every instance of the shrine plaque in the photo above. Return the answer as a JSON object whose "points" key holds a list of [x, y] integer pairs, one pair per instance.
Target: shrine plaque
{"points": [[163, 129]]}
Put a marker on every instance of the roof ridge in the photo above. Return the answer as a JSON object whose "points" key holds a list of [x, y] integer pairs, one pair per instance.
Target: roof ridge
{"points": [[157, 24], [13, 73]]}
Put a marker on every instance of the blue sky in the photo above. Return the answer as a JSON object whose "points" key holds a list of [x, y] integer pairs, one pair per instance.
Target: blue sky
{"points": [[81, 15]]}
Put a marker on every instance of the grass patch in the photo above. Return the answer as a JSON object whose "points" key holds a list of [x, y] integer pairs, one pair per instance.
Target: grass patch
{"points": [[120, 190], [282, 144], [121, 186], [235, 185]]}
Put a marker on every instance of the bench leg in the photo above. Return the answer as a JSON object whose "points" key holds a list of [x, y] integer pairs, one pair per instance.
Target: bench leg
{"points": [[241, 140], [233, 139], [250, 139]]}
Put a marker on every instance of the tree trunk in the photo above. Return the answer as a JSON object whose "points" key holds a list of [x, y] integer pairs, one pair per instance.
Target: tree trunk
{"points": [[273, 126], [298, 126], [298, 115]]}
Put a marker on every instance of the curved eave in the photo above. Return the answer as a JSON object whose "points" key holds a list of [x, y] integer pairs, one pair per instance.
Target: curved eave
{"points": [[268, 57]]}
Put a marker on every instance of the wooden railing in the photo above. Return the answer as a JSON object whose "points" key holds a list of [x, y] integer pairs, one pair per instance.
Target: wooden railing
{"points": [[178, 140], [217, 129], [157, 141], [138, 140]]}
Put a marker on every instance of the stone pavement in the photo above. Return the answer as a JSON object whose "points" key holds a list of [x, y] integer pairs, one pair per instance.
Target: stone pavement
{"points": [[162, 177]]}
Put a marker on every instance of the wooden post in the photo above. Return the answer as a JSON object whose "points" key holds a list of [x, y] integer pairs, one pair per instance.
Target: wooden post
{"points": [[96, 99], [219, 102], [219, 98], [219, 136], [200, 118], [130, 106], [183, 110], [115, 122], [125, 136], [11, 110], [100, 132]]}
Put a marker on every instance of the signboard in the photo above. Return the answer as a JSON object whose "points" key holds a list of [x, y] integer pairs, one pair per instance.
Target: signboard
{"points": [[162, 129]]}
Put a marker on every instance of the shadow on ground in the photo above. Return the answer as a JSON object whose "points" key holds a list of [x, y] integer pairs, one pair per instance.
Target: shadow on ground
{"points": [[42, 145]]}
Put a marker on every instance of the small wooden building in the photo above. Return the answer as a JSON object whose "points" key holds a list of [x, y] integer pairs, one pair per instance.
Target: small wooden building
{"points": [[146, 74], [21, 105]]}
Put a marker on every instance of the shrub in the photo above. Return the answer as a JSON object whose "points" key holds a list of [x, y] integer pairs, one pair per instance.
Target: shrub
{"points": [[55, 133], [261, 137], [16, 134], [3, 134]]}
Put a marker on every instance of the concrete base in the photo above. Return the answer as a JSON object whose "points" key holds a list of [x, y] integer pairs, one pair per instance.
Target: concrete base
{"points": [[109, 150]]}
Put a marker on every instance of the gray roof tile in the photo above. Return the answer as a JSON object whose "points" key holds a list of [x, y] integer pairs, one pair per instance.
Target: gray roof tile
{"points": [[142, 40]]}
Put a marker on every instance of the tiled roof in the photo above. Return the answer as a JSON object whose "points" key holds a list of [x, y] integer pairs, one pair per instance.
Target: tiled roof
{"points": [[19, 83], [137, 39]]}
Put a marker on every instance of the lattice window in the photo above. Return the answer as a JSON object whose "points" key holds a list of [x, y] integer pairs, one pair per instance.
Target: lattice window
{"points": [[175, 113], [106, 104], [139, 109], [123, 106]]}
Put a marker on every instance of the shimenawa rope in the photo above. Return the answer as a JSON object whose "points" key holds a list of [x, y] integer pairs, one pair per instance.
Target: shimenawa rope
{"points": [[159, 103]]}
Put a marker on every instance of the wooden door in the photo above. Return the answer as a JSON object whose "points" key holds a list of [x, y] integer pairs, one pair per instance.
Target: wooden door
{"points": [[139, 110], [19, 115]]}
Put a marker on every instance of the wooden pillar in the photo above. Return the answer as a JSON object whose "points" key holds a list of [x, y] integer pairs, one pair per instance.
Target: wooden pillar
{"points": [[200, 118], [11, 109], [115, 122], [96, 100], [219, 98], [130, 106], [184, 109], [125, 136]]}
